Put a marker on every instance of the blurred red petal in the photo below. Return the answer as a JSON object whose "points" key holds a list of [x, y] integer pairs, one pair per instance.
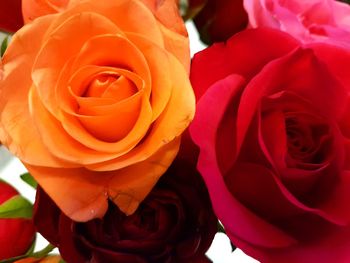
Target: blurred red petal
{"points": [[10, 15]]}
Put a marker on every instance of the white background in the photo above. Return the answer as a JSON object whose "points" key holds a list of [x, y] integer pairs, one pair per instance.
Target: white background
{"points": [[11, 168]]}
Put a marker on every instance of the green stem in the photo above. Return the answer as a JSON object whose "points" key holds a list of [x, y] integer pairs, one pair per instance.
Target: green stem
{"points": [[42, 253]]}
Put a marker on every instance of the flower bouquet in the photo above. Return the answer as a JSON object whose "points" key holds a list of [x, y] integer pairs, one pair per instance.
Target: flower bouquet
{"points": [[139, 153]]}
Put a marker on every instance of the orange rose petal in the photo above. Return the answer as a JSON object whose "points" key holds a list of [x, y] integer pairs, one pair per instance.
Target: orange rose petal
{"points": [[58, 141], [121, 89], [17, 131], [86, 73], [121, 54], [70, 88], [62, 144], [178, 45], [32, 9], [51, 259], [87, 56], [76, 130], [172, 27], [113, 108], [82, 194], [48, 65], [129, 15], [117, 124], [87, 103], [170, 124], [157, 60], [1, 70], [129, 187], [48, 259], [110, 85], [79, 193], [79, 82], [168, 13]]}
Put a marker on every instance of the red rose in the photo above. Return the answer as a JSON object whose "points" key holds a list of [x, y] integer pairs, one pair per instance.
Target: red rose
{"points": [[219, 19], [174, 224], [16, 234], [273, 129], [10, 15]]}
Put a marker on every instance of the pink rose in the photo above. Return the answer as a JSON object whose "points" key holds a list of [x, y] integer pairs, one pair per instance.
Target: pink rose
{"points": [[273, 127], [311, 20]]}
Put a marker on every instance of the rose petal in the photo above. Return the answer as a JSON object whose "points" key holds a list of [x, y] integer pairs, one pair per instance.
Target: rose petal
{"points": [[17, 128], [203, 131], [330, 248], [221, 59], [126, 14], [171, 25], [48, 65], [10, 15], [170, 124], [32, 9], [157, 61], [126, 187], [330, 102]]}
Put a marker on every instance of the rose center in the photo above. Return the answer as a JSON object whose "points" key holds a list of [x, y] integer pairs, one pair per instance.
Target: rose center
{"points": [[299, 139], [145, 219], [306, 139], [110, 86]]}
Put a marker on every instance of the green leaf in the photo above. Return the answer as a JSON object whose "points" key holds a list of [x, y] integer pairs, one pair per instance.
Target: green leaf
{"points": [[28, 178], [16, 207], [61, 261], [4, 45]]}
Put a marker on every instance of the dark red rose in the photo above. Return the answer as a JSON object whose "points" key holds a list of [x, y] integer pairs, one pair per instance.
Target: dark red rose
{"points": [[273, 127], [10, 15], [218, 19], [174, 224], [16, 234]]}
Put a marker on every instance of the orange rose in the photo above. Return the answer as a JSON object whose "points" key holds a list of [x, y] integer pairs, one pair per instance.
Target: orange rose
{"points": [[166, 11], [94, 99], [48, 259], [32, 9]]}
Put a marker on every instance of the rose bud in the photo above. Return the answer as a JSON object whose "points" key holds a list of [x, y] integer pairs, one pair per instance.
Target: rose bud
{"points": [[16, 234], [218, 19], [175, 223], [10, 15]]}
